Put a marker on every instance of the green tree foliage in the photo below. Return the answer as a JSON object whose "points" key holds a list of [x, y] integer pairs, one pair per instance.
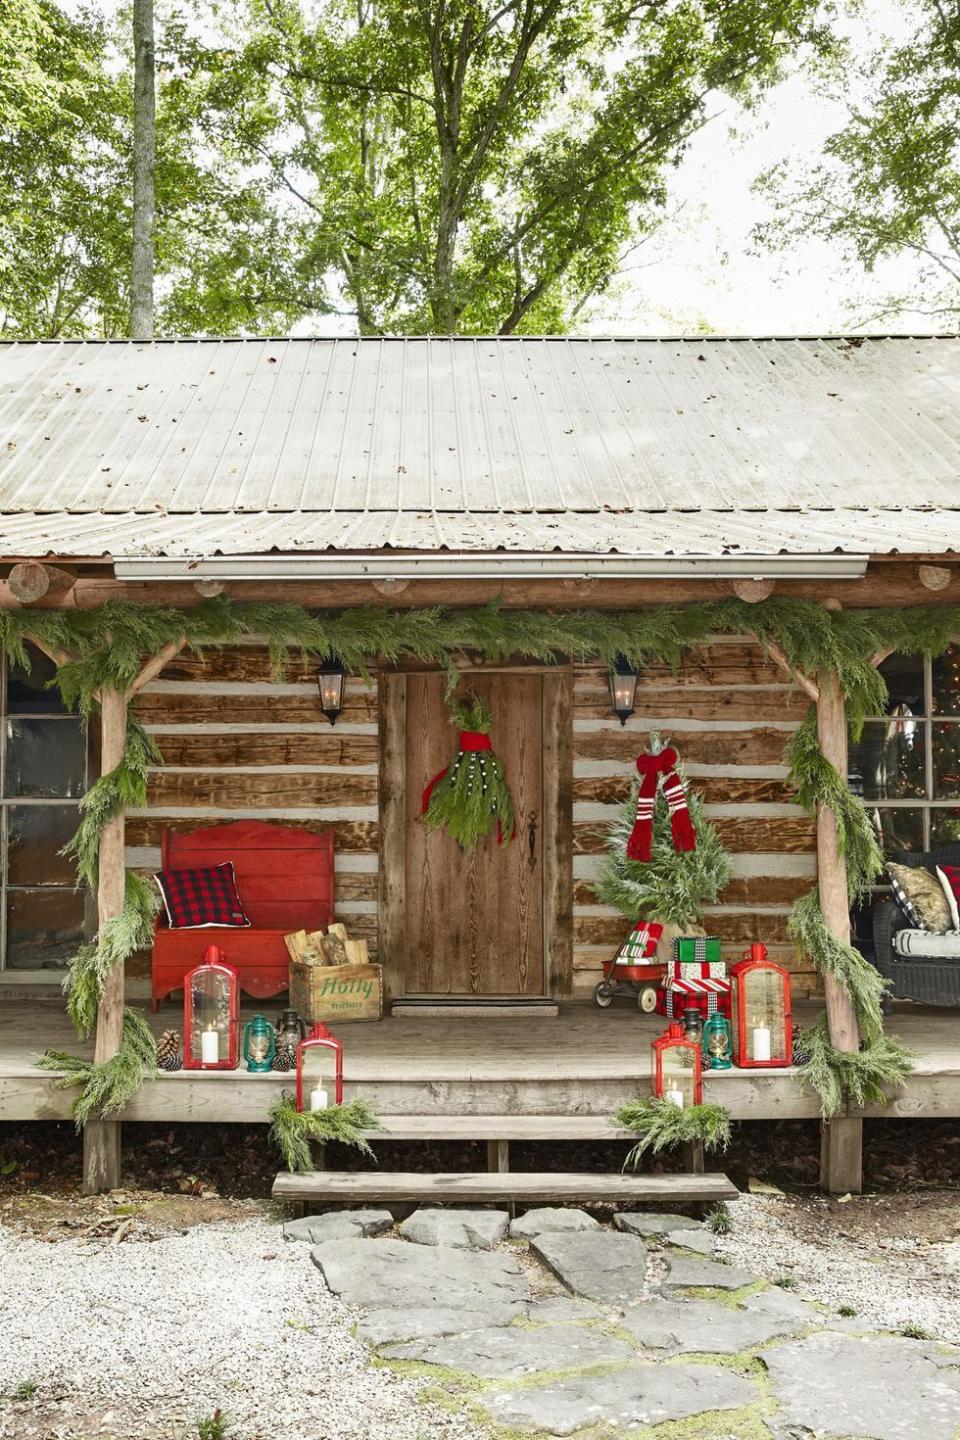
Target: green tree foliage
{"points": [[888, 184], [477, 166]]}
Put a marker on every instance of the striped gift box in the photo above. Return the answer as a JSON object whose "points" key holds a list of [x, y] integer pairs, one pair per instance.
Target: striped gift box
{"points": [[640, 945]]}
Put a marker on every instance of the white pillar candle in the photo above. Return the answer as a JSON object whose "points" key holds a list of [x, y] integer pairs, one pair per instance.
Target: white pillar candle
{"points": [[210, 1047], [318, 1098], [761, 1042], [675, 1096]]}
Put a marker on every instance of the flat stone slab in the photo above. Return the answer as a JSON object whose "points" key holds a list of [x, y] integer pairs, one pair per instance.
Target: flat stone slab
{"points": [[649, 1223], [600, 1265], [704, 1326], [562, 1308], [639, 1395], [886, 1388], [702, 1241], [688, 1270], [393, 1275], [548, 1219], [461, 1229], [338, 1225], [384, 1327], [516, 1353]]}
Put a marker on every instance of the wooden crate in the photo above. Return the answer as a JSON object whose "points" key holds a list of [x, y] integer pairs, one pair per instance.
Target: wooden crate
{"points": [[336, 994]]}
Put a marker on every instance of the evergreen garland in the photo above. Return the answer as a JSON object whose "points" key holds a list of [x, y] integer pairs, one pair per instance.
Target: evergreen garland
{"points": [[857, 1075], [471, 798], [105, 648], [292, 1130], [108, 1087], [661, 1125]]}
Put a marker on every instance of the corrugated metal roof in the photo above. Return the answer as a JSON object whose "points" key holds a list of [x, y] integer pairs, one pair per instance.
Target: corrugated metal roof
{"points": [[651, 447]]}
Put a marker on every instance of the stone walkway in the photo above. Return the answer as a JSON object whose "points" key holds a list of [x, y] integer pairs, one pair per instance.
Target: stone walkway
{"points": [[554, 1325]]}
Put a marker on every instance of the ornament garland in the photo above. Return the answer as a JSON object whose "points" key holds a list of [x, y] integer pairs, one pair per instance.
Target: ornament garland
{"points": [[470, 797], [104, 648]]}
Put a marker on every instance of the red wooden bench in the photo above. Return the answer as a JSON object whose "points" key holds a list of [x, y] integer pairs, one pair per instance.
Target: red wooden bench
{"points": [[285, 882]]}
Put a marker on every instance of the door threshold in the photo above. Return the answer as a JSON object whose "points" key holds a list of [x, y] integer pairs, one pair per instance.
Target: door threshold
{"points": [[520, 1008]]}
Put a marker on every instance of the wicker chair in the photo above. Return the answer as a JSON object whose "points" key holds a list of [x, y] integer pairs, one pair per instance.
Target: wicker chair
{"points": [[914, 977]]}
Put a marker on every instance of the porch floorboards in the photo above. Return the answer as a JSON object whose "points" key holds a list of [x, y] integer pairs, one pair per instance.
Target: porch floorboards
{"points": [[581, 1064]]}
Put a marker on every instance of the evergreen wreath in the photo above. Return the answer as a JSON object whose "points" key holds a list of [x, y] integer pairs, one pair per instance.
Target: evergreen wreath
{"points": [[471, 796], [104, 648]]}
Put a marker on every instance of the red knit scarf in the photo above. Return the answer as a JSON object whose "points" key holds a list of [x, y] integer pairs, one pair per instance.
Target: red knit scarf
{"points": [[654, 769]]}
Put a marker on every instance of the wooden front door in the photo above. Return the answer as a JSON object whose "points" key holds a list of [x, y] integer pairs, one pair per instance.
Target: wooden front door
{"points": [[474, 923]]}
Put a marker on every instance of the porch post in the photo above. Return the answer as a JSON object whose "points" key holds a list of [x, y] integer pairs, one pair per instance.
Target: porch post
{"points": [[841, 1151], [101, 1138]]}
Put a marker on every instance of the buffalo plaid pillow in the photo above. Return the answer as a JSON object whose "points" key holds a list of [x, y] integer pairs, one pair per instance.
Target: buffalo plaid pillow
{"points": [[198, 898]]}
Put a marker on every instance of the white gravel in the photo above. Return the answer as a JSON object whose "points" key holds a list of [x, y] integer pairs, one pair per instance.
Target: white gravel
{"points": [[891, 1281], [144, 1339]]}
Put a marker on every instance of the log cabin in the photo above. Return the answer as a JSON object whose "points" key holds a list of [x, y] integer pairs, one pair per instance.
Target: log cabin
{"points": [[553, 474]]}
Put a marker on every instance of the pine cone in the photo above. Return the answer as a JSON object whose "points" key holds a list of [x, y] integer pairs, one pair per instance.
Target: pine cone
{"points": [[171, 1062], [285, 1058], [168, 1045]]}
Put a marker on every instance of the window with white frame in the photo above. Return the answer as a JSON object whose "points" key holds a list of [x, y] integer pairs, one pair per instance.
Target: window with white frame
{"points": [[44, 915], [906, 765]]}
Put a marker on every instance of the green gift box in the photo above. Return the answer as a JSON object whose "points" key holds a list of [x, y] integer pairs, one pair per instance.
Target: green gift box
{"points": [[697, 949]]}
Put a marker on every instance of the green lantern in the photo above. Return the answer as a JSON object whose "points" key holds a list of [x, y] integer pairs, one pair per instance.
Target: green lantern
{"points": [[259, 1044], [717, 1043]]}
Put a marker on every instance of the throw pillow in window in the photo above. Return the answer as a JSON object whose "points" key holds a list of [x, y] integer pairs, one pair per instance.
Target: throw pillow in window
{"points": [[197, 898], [949, 877], [920, 896]]}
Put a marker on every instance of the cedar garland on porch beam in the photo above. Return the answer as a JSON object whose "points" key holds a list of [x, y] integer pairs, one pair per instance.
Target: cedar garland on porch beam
{"points": [[101, 651]]}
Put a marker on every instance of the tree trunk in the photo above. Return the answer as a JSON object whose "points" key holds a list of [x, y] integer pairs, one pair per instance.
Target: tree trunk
{"points": [[101, 1138], [841, 1156], [144, 143]]}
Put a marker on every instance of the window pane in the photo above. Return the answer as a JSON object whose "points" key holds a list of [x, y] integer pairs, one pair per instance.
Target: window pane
{"points": [[887, 763], [945, 826], [945, 739], [898, 829], [904, 677], [27, 691], [946, 682], [46, 759], [44, 928], [35, 836]]}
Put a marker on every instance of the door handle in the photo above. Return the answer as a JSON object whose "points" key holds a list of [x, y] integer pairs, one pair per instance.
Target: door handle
{"points": [[532, 840]]}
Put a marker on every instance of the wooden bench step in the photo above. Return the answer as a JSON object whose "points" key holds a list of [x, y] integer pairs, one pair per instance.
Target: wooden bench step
{"points": [[330, 1187], [499, 1127]]}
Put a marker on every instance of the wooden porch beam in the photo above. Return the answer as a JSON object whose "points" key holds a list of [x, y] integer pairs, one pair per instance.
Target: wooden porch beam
{"points": [[30, 581], [841, 1157], [804, 681], [52, 652], [155, 664], [101, 1138]]}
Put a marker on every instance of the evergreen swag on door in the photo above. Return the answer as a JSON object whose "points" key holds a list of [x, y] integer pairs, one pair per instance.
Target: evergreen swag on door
{"points": [[470, 797]]}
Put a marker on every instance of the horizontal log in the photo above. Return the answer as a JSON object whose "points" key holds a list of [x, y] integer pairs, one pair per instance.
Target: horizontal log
{"points": [[229, 790], [359, 836], [731, 662], [232, 663], [732, 926], [759, 746], [716, 705], [751, 836], [171, 707], [356, 885], [715, 789], [332, 747], [750, 890]]}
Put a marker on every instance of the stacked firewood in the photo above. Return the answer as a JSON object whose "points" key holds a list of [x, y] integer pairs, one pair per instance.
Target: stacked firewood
{"points": [[332, 946]]}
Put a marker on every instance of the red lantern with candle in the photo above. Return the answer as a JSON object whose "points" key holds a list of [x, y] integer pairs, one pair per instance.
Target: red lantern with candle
{"points": [[761, 1011], [211, 1014], [676, 1068], [319, 1070]]}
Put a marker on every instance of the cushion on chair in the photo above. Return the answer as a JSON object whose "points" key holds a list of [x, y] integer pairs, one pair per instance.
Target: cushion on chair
{"points": [[921, 943], [949, 877], [920, 896], [196, 899]]}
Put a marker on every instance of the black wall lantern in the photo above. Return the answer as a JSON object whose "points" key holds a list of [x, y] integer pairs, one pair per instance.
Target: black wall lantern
{"points": [[623, 688], [330, 685]]}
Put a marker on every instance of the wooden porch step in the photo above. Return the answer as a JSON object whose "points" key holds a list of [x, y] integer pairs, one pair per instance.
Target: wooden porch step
{"points": [[344, 1187]]}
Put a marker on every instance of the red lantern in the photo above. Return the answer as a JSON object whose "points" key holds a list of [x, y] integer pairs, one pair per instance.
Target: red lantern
{"points": [[676, 1068], [211, 1014], [319, 1070], [761, 1011]]}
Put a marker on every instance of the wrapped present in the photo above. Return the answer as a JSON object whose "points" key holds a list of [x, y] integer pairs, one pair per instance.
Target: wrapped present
{"points": [[698, 969], [709, 996], [696, 948], [640, 945]]}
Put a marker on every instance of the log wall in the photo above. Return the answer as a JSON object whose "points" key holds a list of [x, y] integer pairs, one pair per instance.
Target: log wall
{"points": [[238, 744]]}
